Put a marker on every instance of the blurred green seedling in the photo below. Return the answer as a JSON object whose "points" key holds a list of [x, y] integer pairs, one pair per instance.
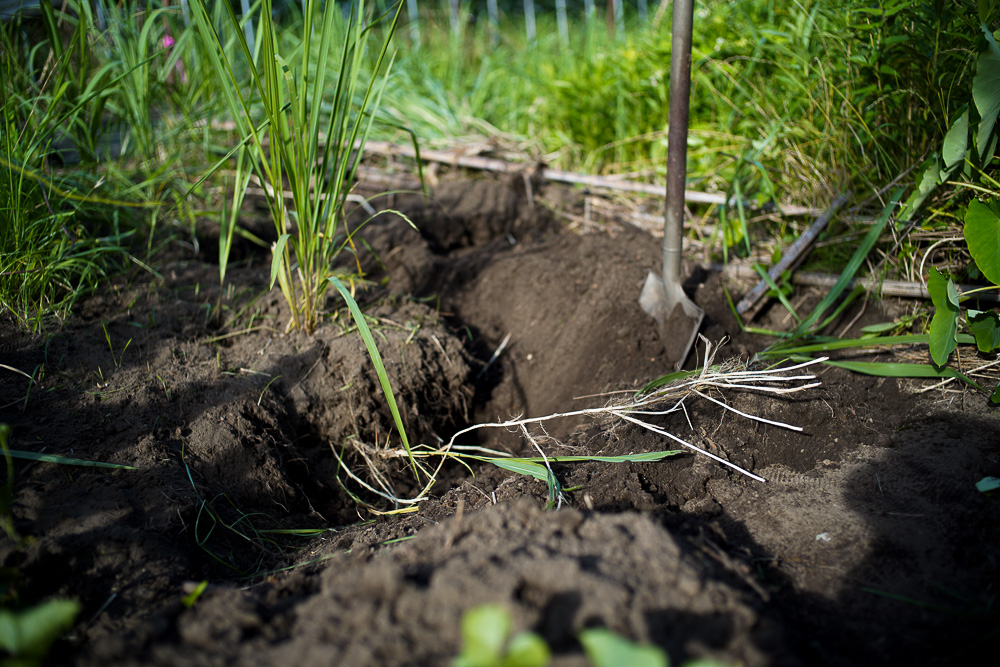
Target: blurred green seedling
{"points": [[604, 648], [28, 634], [107, 337], [485, 643], [989, 486]]}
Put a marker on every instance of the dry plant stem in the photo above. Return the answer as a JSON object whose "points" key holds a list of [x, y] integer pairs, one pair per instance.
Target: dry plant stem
{"points": [[461, 159]]}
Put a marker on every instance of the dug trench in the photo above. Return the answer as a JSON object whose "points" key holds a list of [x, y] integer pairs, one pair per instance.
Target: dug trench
{"points": [[867, 544]]}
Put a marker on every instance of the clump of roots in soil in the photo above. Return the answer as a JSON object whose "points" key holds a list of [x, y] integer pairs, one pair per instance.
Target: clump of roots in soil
{"points": [[663, 396]]}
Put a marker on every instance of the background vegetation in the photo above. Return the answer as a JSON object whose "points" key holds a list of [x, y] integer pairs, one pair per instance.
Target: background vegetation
{"points": [[110, 116]]}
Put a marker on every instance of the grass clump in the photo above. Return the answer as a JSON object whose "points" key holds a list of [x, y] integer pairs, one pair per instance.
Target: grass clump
{"points": [[296, 133]]}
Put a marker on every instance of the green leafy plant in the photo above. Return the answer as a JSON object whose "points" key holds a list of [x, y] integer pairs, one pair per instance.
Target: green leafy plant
{"points": [[971, 145], [293, 134], [486, 641], [28, 634], [982, 236], [971, 141], [605, 648]]}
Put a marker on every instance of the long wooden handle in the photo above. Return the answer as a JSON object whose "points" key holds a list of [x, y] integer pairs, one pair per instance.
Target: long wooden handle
{"points": [[677, 132]]}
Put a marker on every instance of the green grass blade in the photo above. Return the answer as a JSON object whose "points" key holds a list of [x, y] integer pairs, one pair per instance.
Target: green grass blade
{"points": [[901, 370], [766, 277], [648, 457], [830, 344], [534, 466], [664, 380], [277, 257], [536, 470], [64, 460], [383, 378]]}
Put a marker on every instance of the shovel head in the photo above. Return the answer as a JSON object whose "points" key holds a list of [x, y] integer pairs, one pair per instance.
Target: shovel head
{"points": [[679, 318]]}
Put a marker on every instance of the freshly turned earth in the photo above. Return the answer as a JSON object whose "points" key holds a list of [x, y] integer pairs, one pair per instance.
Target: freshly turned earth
{"points": [[868, 544]]}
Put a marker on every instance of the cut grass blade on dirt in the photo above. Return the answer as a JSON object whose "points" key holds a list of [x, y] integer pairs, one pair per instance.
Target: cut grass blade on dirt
{"points": [[383, 378]]}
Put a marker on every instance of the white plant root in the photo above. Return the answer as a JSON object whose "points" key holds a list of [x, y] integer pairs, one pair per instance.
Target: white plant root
{"points": [[725, 376]]}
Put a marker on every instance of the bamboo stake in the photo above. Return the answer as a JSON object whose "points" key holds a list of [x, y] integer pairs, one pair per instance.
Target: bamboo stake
{"points": [[792, 257], [459, 159], [901, 288]]}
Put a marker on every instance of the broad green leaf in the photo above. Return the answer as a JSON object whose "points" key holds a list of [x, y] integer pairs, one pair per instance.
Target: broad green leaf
{"points": [[484, 631], [985, 326], [527, 650], [982, 234], [956, 142], [944, 325], [29, 634], [986, 90], [928, 181], [606, 649]]}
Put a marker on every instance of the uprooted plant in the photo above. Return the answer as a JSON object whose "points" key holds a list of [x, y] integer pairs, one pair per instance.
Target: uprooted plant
{"points": [[293, 134], [665, 395]]}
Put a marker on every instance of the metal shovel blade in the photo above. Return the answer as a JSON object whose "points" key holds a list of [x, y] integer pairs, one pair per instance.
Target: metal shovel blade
{"points": [[679, 318]]}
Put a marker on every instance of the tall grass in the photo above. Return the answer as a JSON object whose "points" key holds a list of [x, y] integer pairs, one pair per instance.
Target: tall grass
{"points": [[305, 114], [790, 101], [48, 256], [89, 153]]}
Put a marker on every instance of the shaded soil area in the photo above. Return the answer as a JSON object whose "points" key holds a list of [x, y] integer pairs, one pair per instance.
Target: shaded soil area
{"points": [[867, 544]]}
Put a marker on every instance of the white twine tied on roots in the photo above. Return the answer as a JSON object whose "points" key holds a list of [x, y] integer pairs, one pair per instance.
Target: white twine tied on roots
{"points": [[775, 381]]}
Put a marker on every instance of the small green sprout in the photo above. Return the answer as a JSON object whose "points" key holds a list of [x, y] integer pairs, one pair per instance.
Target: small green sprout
{"points": [[484, 642], [27, 635]]}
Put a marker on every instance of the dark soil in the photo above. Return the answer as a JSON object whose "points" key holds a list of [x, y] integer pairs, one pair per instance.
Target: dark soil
{"points": [[868, 544]]}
